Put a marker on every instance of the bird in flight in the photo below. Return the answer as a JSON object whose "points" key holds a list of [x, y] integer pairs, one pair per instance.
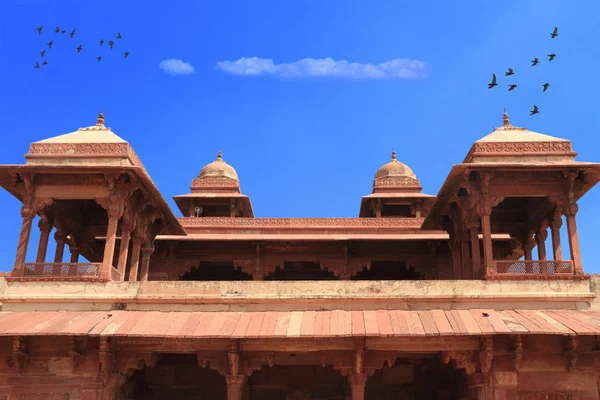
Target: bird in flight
{"points": [[57, 30], [511, 87], [545, 85], [535, 62], [554, 33], [98, 58], [50, 44], [552, 56], [509, 73], [42, 53], [534, 111], [126, 54], [45, 63], [79, 48], [63, 32], [491, 85], [40, 30], [72, 33], [110, 43], [119, 35], [101, 42], [37, 65]]}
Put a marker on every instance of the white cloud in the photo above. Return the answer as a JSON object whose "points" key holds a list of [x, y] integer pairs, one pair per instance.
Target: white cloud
{"points": [[174, 66], [399, 68]]}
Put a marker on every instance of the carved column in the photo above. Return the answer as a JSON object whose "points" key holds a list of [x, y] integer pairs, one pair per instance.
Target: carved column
{"points": [[114, 213], [570, 212], [235, 380], [358, 378], [147, 250], [475, 253], [126, 229], [540, 237], [74, 254], [135, 257], [59, 236], [555, 226], [528, 243], [28, 213], [486, 230], [45, 229], [455, 248]]}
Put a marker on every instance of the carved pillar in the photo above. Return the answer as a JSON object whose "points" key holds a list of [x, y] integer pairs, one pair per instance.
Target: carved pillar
{"points": [[45, 229], [59, 236], [358, 378], [28, 213], [528, 242], [475, 253], [555, 226], [147, 251], [235, 380], [571, 211], [126, 229], [74, 254], [540, 237], [111, 238], [486, 230], [455, 248], [465, 256], [135, 257]]}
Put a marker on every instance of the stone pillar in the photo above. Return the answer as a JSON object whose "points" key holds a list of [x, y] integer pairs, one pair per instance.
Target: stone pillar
{"points": [[59, 236], [126, 229], [235, 386], [456, 260], [45, 229], [571, 211], [135, 257], [111, 239], [28, 214], [486, 230], [467, 270], [540, 237], [475, 253], [527, 242], [555, 226], [74, 254], [358, 382], [147, 251]]}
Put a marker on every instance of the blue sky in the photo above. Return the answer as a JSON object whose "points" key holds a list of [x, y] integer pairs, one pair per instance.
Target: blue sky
{"points": [[302, 145]]}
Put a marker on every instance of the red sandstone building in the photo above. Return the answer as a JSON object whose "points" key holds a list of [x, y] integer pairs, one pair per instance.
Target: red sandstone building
{"points": [[463, 295]]}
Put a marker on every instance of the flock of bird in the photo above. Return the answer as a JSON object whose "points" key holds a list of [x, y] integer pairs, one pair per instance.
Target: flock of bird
{"points": [[534, 62], [79, 48]]}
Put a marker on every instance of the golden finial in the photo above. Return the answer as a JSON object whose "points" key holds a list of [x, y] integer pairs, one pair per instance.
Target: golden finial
{"points": [[100, 121], [505, 119], [393, 155]]}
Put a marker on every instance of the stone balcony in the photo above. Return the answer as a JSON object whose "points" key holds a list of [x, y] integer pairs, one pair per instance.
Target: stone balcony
{"points": [[297, 295]]}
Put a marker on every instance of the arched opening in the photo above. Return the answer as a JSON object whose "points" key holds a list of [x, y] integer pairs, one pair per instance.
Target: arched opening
{"points": [[175, 376], [215, 271], [389, 270], [297, 382], [301, 271], [417, 378]]}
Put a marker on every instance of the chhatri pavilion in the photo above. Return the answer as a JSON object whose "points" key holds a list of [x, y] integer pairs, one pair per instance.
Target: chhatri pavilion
{"points": [[467, 294]]}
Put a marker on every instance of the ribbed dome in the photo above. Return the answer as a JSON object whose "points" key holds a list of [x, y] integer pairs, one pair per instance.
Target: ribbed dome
{"points": [[394, 169], [218, 169]]}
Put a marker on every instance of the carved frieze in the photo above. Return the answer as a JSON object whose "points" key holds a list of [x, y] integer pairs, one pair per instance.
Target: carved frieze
{"points": [[303, 222], [404, 182], [215, 183], [522, 147], [66, 149]]}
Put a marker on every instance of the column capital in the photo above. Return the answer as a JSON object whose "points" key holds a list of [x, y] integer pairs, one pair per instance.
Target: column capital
{"points": [[358, 379], [59, 235], [571, 209], [147, 250], [44, 224], [27, 212], [74, 249]]}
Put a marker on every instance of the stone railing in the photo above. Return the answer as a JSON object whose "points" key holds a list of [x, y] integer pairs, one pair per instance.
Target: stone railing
{"points": [[57, 272], [528, 269]]}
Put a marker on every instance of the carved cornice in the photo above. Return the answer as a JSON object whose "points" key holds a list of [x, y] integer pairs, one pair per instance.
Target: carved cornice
{"points": [[522, 147], [215, 183], [303, 222], [404, 182], [75, 149]]}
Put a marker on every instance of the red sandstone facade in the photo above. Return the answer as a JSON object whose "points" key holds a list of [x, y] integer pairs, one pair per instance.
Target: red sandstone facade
{"points": [[463, 295]]}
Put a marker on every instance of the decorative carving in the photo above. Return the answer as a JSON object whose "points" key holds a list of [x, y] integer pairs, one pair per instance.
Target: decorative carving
{"points": [[517, 351], [405, 182], [19, 354], [572, 352], [215, 183], [461, 359], [74, 149], [523, 147], [303, 222]]}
